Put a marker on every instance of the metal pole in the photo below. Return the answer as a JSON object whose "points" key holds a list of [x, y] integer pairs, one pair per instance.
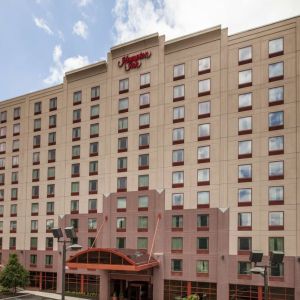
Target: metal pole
{"points": [[266, 283], [63, 271]]}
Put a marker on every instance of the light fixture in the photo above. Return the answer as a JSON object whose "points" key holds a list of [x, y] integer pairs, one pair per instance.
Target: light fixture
{"points": [[75, 247], [276, 257], [57, 233], [256, 256], [70, 232]]}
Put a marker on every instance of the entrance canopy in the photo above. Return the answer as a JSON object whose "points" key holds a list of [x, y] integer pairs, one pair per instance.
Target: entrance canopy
{"points": [[112, 259]]}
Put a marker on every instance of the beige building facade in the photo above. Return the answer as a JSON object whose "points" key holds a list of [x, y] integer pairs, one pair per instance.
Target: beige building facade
{"points": [[176, 157]]}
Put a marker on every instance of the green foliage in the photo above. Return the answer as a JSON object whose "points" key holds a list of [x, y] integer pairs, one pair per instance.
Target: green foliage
{"points": [[14, 274], [191, 297]]}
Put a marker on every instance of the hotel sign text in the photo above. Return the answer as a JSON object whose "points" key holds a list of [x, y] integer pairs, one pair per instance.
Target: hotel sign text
{"points": [[133, 62]]}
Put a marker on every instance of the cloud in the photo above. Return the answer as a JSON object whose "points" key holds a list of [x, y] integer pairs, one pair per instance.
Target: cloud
{"points": [[83, 3], [59, 67], [135, 18], [80, 28], [41, 23]]}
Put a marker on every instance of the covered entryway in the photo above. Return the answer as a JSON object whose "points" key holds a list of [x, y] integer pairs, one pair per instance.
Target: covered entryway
{"points": [[128, 272]]}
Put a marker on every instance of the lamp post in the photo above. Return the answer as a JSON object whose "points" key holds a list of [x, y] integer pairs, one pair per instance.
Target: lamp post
{"points": [[70, 234], [276, 258]]}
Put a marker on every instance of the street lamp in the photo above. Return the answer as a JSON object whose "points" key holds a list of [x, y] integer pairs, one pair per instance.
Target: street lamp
{"points": [[70, 234], [276, 258]]}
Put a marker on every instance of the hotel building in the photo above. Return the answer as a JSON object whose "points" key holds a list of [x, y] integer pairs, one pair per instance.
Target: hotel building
{"points": [[173, 160]]}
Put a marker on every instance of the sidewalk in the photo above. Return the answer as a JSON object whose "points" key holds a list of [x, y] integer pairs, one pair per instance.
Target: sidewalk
{"points": [[49, 295]]}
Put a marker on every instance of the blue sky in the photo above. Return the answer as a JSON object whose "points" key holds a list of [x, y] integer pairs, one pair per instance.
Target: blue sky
{"points": [[41, 39]]}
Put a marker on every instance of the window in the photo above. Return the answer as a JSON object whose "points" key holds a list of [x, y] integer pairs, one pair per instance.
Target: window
{"points": [[204, 87], [145, 80], [33, 259], [52, 138], [245, 125], [203, 177], [3, 117], [176, 244], [178, 179], [144, 121], [123, 124], [142, 243], [245, 78], [203, 154], [34, 209], [74, 206], [93, 167], [203, 132], [121, 204], [53, 104], [203, 109], [76, 115], [177, 200], [17, 113], [123, 86], [95, 93], [49, 225], [1, 226], [202, 266], [178, 93], [37, 108], [94, 130], [276, 195], [14, 194], [94, 149], [203, 199], [177, 223], [244, 197], [35, 158], [276, 120], [51, 155], [245, 55], [2, 163], [276, 95], [245, 221], [203, 65], [144, 140], [2, 179], [35, 192], [48, 260], [2, 148], [75, 151], [178, 72], [122, 184], [74, 223], [276, 170], [92, 205], [33, 243], [122, 144], [13, 210], [143, 182], [244, 267], [276, 244], [1, 194], [120, 242], [49, 243], [37, 124], [178, 157], [178, 114], [143, 161], [14, 177], [91, 242], [145, 100], [93, 186], [245, 173], [176, 265], [122, 164], [36, 141], [245, 101], [244, 245], [2, 132], [276, 47], [16, 129], [276, 220], [92, 224], [142, 223], [143, 203], [178, 136], [276, 71], [77, 97], [74, 188], [15, 161], [276, 145], [1, 210], [15, 145], [52, 121], [50, 208], [94, 113], [12, 243], [75, 170], [121, 224], [277, 270], [245, 149], [123, 105]]}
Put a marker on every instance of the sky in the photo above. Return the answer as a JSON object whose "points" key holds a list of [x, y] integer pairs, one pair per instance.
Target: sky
{"points": [[40, 40]]}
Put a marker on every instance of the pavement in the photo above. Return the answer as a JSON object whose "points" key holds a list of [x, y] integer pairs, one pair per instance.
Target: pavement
{"points": [[37, 295]]}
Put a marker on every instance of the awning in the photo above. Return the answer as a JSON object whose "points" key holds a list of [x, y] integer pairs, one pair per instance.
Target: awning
{"points": [[112, 259]]}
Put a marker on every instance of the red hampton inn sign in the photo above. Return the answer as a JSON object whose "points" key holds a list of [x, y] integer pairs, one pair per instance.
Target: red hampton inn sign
{"points": [[134, 61]]}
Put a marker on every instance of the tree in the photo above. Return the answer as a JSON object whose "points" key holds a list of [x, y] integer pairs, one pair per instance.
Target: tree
{"points": [[14, 274]]}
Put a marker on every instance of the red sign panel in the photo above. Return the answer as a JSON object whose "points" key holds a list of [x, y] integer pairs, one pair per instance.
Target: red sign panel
{"points": [[133, 62]]}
